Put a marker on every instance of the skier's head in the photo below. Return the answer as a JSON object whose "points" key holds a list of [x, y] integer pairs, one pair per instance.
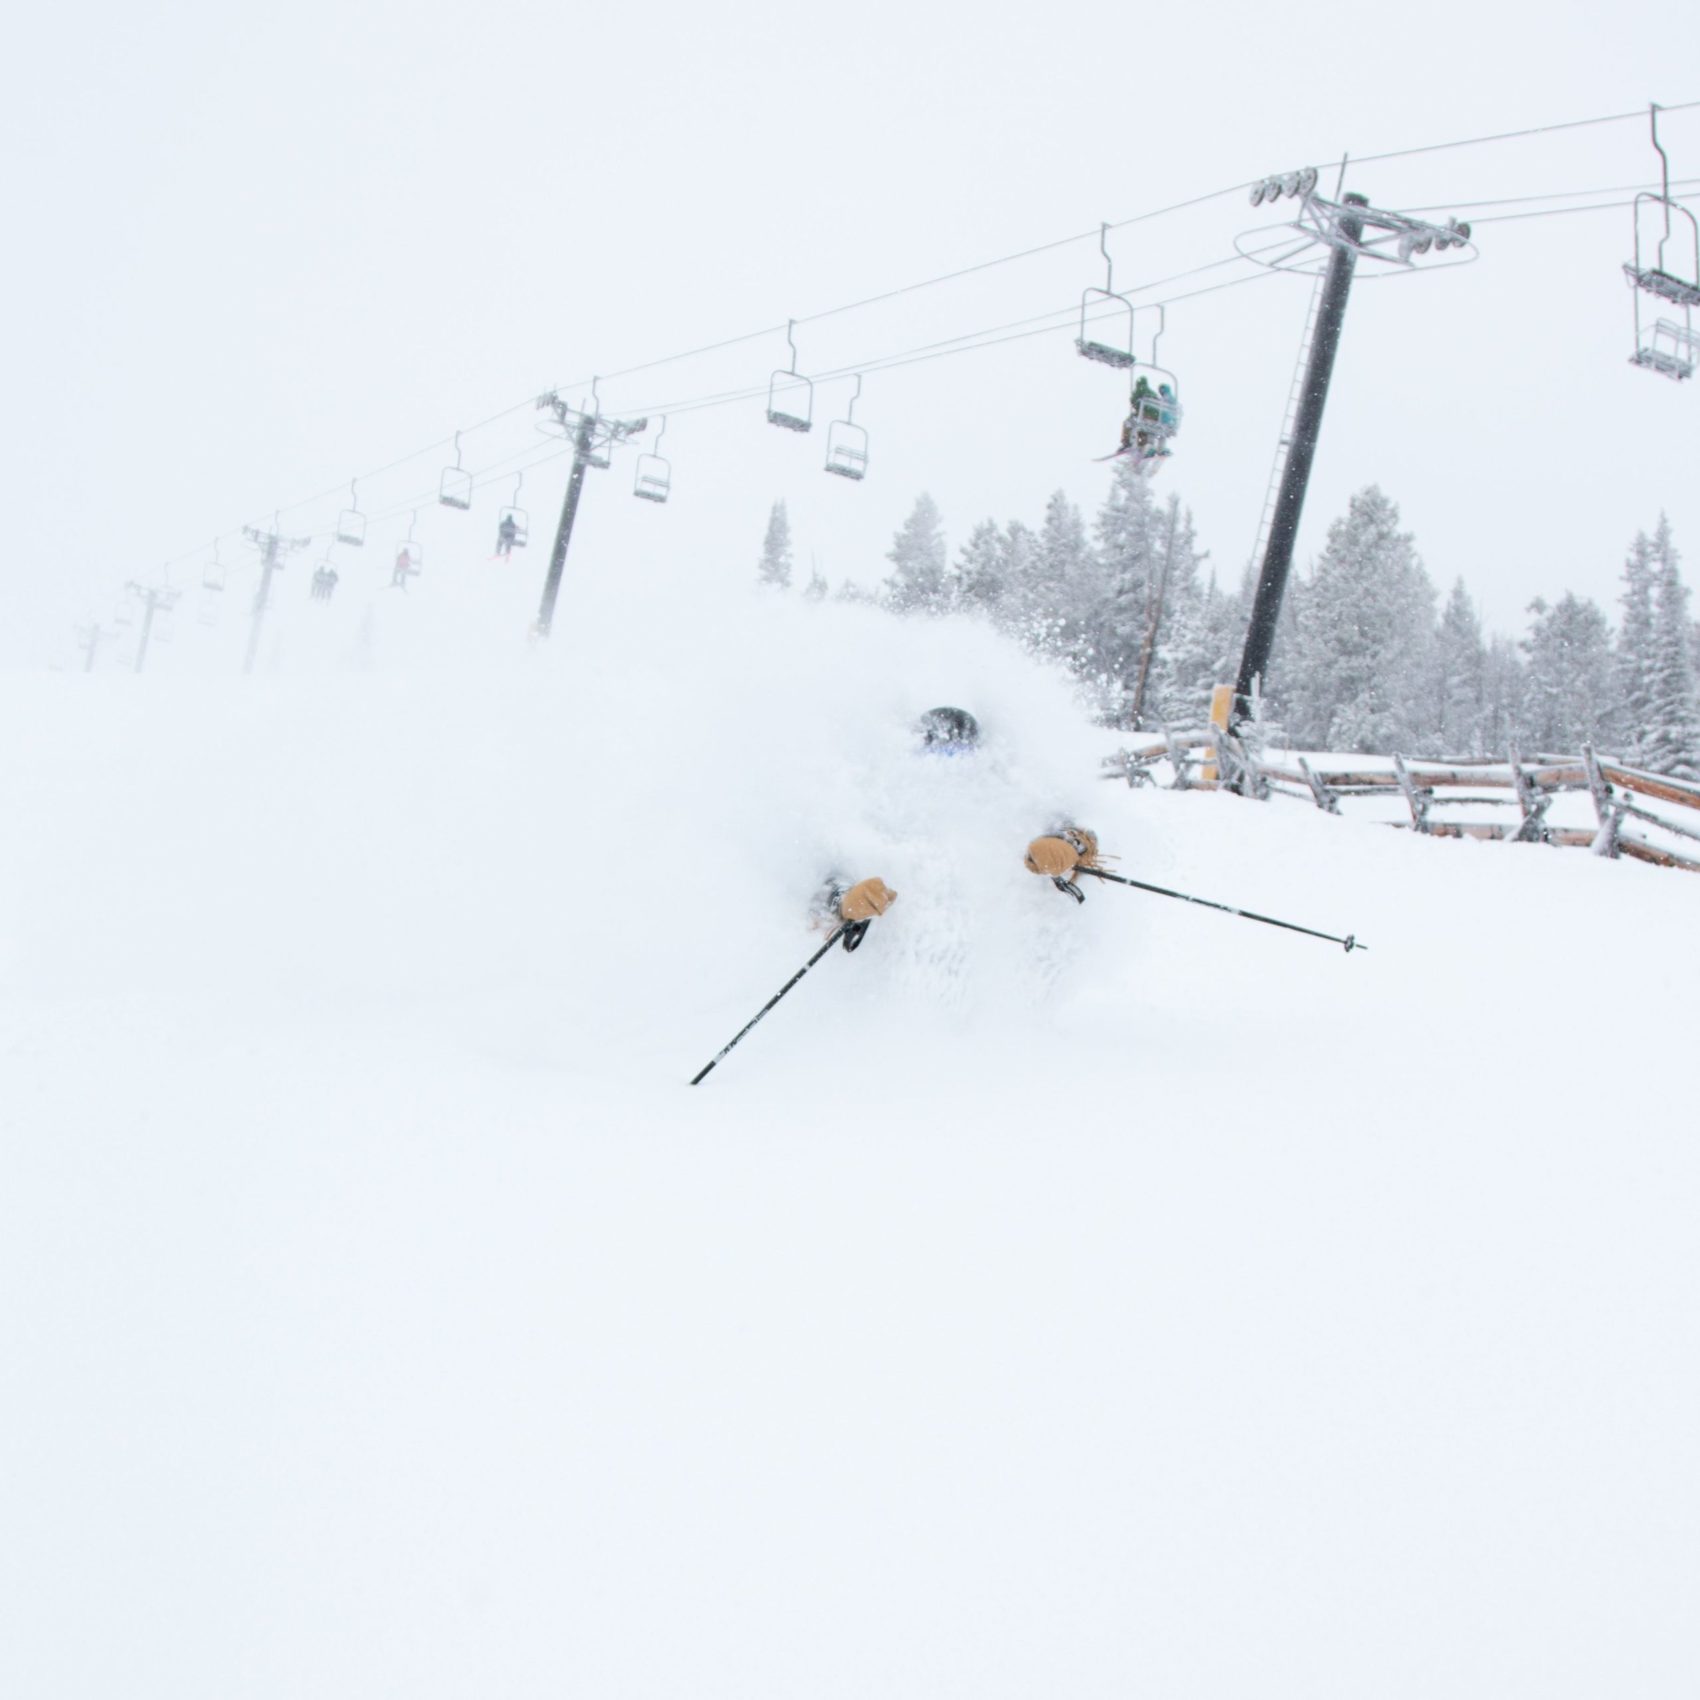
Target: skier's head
{"points": [[948, 731]]}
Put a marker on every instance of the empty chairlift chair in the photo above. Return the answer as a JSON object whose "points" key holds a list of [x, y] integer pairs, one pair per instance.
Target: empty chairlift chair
{"points": [[599, 449], [1671, 350], [790, 396], [847, 442], [455, 491], [351, 523], [1118, 353], [654, 480]]}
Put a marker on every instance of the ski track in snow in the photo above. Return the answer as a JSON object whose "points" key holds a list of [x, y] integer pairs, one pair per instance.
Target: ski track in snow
{"points": [[1045, 1299]]}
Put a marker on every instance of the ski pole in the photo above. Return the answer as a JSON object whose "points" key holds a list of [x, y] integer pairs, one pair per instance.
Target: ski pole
{"points": [[1349, 941], [837, 933]]}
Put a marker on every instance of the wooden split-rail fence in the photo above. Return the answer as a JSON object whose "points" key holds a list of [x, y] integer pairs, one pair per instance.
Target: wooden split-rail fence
{"points": [[1210, 759]]}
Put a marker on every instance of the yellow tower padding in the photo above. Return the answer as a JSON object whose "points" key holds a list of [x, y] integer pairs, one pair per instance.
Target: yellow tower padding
{"points": [[1221, 706]]}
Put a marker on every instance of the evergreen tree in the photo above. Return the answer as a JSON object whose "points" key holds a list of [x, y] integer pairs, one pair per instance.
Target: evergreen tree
{"points": [[815, 590], [1460, 677], [918, 583], [1020, 609], [1362, 672], [774, 567], [1061, 577], [979, 583], [1672, 744], [1634, 706], [1206, 631], [1502, 697], [1568, 693], [1114, 609], [1168, 616]]}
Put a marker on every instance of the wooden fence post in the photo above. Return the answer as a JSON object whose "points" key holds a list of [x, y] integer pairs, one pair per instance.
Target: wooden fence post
{"points": [[1325, 799], [1418, 800]]}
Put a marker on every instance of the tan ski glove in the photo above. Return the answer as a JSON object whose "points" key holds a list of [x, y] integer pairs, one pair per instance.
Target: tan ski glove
{"points": [[865, 900], [1058, 854]]}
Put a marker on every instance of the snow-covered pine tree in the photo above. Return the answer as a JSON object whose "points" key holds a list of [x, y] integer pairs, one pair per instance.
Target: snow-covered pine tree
{"points": [[1673, 738], [978, 583], [774, 568], [1633, 716], [815, 590], [1174, 616], [1020, 547], [1060, 583], [1362, 671], [918, 583], [1113, 612], [1460, 677], [1568, 689], [1205, 633], [1502, 697]]}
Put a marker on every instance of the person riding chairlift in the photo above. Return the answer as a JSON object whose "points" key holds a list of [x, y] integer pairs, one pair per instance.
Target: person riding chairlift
{"points": [[1145, 430]]}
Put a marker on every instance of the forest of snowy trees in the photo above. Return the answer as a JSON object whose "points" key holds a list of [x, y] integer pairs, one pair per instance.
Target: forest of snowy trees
{"points": [[1367, 659]]}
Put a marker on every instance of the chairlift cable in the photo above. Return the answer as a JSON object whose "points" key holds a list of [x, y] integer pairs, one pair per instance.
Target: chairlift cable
{"points": [[986, 265], [1524, 200], [1562, 212], [1517, 135], [1117, 224], [1066, 317]]}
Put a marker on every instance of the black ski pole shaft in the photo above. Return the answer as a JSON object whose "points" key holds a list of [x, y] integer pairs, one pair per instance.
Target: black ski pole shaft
{"points": [[837, 933], [1349, 941]]}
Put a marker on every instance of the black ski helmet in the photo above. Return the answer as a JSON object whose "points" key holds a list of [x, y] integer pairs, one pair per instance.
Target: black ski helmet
{"points": [[948, 731]]}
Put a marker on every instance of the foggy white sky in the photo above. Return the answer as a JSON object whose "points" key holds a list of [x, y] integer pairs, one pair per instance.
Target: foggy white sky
{"points": [[253, 255]]}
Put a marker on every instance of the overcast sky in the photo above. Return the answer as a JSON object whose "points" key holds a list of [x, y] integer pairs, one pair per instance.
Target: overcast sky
{"points": [[255, 253]]}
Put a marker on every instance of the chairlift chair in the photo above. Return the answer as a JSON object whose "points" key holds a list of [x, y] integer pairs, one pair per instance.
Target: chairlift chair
{"points": [[351, 523], [324, 580], [455, 490], [1668, 283], [212, 574], [1154, 407], [598, 450], [1672, 350], [1657, 278], [1106, 353], [847, 442], [654, 481], [513, 524], [409, 557], [788, 391]]}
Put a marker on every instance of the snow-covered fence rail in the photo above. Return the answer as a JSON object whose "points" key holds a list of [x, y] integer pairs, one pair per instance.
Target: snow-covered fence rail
{"points": [[1210, 759]]}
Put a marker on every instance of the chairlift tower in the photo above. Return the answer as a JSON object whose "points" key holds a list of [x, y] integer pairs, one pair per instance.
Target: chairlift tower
{"points": [[88, 641], [1330, 238], [154, 598], [271, 545], [593, 439]]}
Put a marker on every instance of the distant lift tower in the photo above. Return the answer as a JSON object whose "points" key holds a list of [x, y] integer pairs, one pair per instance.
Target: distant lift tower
{"points": [[593, 439], [155, 599], [1328, 239], [271, 545]]}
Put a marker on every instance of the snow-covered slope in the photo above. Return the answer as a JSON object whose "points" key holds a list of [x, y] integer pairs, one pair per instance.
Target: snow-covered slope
{"points": [[1102, 1300]]}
